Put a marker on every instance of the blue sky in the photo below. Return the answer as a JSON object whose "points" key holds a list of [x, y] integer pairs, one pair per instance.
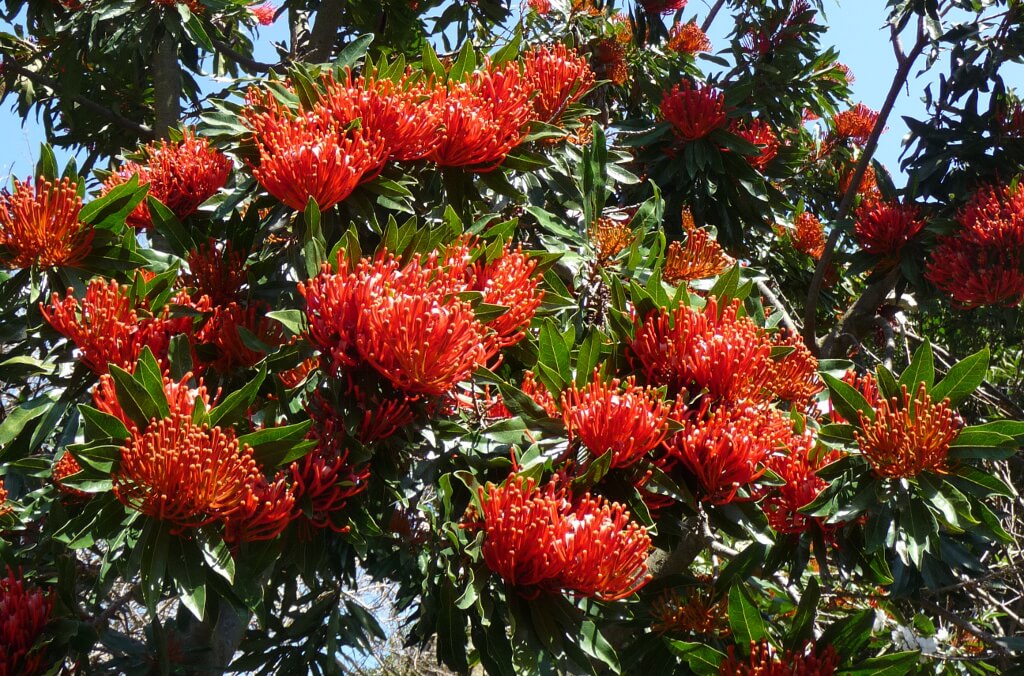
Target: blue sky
{"points": [[856, 28]]}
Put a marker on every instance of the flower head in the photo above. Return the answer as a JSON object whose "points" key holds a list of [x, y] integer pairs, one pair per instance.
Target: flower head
{"points": [[559, 76], [309, 154], [510, 281], [609, 238], [974, 275], [712, 351], [542, 7], [5, 507], [699, 258], [223, 331], [759, 133], [663, 6], [855, 124], [688, 38], [883, 228], [866, 384], [64, 468], [994, 217], [611, 54], [808, 235], [794, 376], [181, 175], [267, 509], [181, 399], [698, 613], [765, 661], [185, 474], [693, 111], [24, 613], [216, 271], [908, 435], [484, 118], [39, 226], [540, 394], [629, 421], [797, 467], [264, 13], [868, 187]]}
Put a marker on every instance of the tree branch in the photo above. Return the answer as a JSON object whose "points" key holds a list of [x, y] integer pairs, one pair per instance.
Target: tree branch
{"points": [[166, 85], [325, 31], [106, 113], [711, 15], [250, 64]]}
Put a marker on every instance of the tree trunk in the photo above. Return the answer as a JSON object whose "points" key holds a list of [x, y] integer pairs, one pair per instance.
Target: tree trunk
{"points": [[166, 85]]}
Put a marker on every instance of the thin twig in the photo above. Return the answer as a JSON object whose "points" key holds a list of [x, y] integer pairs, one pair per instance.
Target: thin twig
{"points": [[250, 64], [711, 15], [987, 638]]}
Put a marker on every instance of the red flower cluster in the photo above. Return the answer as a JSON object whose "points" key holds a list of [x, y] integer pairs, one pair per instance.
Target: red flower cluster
{"points": [[264, 13], [539, 540], [713, 351], [868, 187], [808, 235], [982, 263], [883, 228], [908, 435], [765, 661], [24, 614], [797, 467], [5, 507], [629, 421], [559, 76], [106, 327], [663, 6], [215, 271], [760, 134], [609, 238], [39, 225], [611, 54], [406, 321], [855, 124], [688, 38], [223, 331], [794, 376], [181, 399], [181, 175], [693, 111], [699, 258], [64, 468]]}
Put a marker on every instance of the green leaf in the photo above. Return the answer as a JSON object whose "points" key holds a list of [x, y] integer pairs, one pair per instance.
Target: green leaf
{"points": [[963, 378], [802, 628], [179, 355], [100, 425], [464, 64], [185, 565], [314, 247], [154, 543], [554, 353], [354, 51], [588, 356], [893, 664], [451, 629], [431, 64], [293, 320], [921, 368], [20, 417], [848, 635], [216, 553], [847, 401], [134, 398], [919, 527], [741, 566], [166, 223], [702, 659], [111, 210], [597, 646], [744, 618], [238, 402], [275, 447]]}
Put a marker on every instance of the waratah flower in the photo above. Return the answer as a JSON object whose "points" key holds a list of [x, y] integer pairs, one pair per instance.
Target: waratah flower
{"points": [[5, 507], [484, 118], [24, 613], [974, 275], [186, 475], [868, 188], [726, 449], [994, 217], [181, 399], [181, 175], [382, 416], [264, 14], [765, 661], [688, 38], [559, 76], [265, 512], [797, 467], [216, 271], [542, 7], [711, 350], [536, 539], [693, 111], [855, 124], [629, 421], [609, 238], [908, 435], [540, 394], [406, 117], [611, 54], [64, 468], [663, 6], [324, 484], [699, 258], [808, 235], [223, 331], [794, 376], [760, 134], [106, 328], [309, 154], [39, 226], [696, 611], [883, 228], [509, 281]]}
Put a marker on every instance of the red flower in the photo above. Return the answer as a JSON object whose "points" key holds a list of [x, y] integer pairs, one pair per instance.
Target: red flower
{"points": [[714, 350], [39, 226], [688, 38], [764, 661], [693, 112], [808, 235], [509, 281], [264, 14], [310, 154], [994, 217], [181, 399], [106, 328], [382, 416], [701, 257], [609, 238], [855, 124], [292, 378], [663, 6], [794, 376], [868, 188], [883, 228], [223, 331], [975, 275], [324, 480], [628, 421], [181, 175], [540, 394], [265, 512], [62, 469], [611, 54], [866, 384], [760, 134], [407, 118], [24, 614], [726, 449], [216, 271], [696, 612], [536, 538], [484, 118], [559, 76], [798, 469], [185, 474], [542, 7], [907, 436], [5, 507]]}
